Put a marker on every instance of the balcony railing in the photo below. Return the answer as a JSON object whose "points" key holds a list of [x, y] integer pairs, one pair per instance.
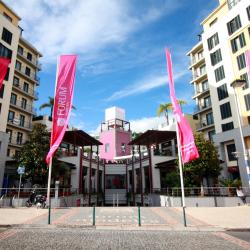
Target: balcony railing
{"points": [[17, 141], [35, 62], [195, 60], [31, 76], [29, 91], [199, 108], [201, 91], [21, 105], [19, 123], [204, 125]]}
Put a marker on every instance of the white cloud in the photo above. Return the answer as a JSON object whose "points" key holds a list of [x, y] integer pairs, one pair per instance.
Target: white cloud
{"points": [[82, 27], [146, 123], [142, 86]]}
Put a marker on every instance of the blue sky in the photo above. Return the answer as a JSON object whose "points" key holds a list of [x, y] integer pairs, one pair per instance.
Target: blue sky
{"points": [[120, 47]]}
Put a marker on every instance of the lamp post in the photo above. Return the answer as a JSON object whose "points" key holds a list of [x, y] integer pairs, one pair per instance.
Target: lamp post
{"points": [[238, 84]]}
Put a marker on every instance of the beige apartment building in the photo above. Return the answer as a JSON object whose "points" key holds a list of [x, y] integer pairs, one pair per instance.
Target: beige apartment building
{"points": [[218, 60], [19, 92]]}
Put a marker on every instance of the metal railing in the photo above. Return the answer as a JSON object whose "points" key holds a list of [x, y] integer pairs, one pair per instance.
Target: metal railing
{"points": [[30, 75], [35, 62], [24, 106], [15, 140], [205, 191], [19, 123], [29, 91]]}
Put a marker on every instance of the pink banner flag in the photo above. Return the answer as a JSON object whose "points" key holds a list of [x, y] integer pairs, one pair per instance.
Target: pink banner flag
{"points": [[4, 63], [62, 101], [189, 151]]}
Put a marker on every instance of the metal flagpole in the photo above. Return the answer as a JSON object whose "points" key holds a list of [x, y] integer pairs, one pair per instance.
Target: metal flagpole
{"points": [[48, 190], [181, 176]]}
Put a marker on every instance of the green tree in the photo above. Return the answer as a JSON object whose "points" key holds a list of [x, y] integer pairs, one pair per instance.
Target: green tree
{"points": [[33, 154], [50, 104], [207, 165]]}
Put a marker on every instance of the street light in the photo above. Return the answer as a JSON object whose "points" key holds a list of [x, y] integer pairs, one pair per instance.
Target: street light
{"points": [[238, 84]]}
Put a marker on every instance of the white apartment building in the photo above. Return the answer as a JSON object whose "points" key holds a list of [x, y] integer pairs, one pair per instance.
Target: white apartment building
{"points": [[217, 61], [19, 89]]}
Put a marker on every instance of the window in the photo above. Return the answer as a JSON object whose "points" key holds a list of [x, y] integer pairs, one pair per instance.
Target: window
{"points": [[115, 181], [7, 36], [211, 134], [219, 74], [222, 92], [213, 41], [241, 61], [20, 50], [18, 65], [207, 102], [204, 85], [233, 25], [216, 57], [247, 101], [29, 56], [225, 110], [19, 138], [22, 120], [245, 77], [238, 42], [230, 149], [202, 70], [26, 87], [24, 103], [213, 22], [5, 52], [123, 147], [248, 12], [107, 147], [210, 118], [16, 81], [227, 126], [2, 91], [13, 98], [27, 71], [9, 131], [11, 116], [7, 17]]}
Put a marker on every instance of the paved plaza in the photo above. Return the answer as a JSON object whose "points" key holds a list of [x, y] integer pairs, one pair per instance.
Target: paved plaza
{"points": [[117, 228], [78, 238]]}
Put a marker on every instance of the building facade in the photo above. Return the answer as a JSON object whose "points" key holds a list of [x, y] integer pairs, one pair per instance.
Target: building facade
{"points": [[18, 93], [216, 61]]}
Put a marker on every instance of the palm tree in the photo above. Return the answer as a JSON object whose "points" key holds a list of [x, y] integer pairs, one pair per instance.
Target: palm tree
{"points": [[164, 108], [50, 104]]}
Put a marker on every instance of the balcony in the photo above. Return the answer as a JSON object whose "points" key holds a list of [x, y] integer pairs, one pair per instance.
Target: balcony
{"points": [[203, 126], [22, 106], [17, 123], [200, 92], [16, 141], [29, 91], [31, 76], [199, 109], [198, 77], [32, 62], [196, 62]]}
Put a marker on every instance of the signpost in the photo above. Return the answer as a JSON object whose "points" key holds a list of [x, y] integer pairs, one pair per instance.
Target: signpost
{"points": [[20, 171]]}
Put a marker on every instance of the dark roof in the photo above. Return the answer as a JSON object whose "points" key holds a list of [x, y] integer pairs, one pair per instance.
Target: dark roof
{"points": [[80, 138], [170, 163], [153, 137]]}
